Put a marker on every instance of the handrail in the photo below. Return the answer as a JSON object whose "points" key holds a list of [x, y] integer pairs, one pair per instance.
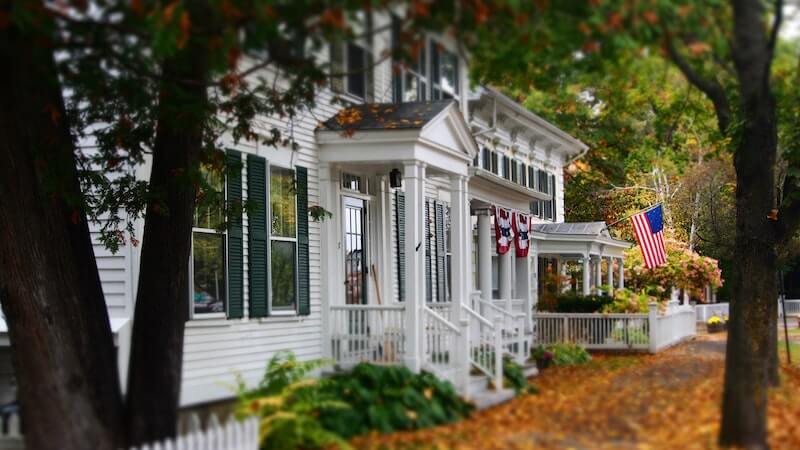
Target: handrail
{"points": [[477, 316], [501, 310], [441, 319], [368, 307]]}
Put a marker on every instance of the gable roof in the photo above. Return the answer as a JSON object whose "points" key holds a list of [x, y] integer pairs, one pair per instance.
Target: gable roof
{"points": [[385, 116]]}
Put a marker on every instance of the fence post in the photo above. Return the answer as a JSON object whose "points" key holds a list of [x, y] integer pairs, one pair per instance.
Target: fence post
{"points": [[462, 362], [652, 318], [565, 329], [498, 353]]}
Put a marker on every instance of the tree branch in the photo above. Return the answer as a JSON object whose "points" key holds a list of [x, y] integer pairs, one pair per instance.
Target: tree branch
{"points": [[710, 87]]}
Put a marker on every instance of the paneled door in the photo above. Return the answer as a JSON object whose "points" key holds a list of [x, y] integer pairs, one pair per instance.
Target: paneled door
{"points": [[355, 250]]}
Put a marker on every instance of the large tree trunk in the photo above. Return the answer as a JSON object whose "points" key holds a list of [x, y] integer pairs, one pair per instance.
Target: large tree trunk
{"points": [[744, 405], [62, 347], [162, 301]]}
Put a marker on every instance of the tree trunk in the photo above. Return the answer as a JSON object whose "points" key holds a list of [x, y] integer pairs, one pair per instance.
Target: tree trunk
{"points": [[744, 404], [62, 347], [162, 301]]}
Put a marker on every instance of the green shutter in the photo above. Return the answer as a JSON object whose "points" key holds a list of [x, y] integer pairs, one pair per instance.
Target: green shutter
{"points": [[428, 268], [441, 275], [400, 223], [235, 242], [553, 193], [303, 282], [257, 234]]}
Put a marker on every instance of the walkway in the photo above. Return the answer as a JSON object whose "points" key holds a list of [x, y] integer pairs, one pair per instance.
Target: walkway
{"points": [[670, 400]]}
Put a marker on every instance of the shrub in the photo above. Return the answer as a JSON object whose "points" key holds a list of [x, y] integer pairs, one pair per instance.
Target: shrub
{"points": [[514, 377], [569, 354], [636, 335], [289, 406], [390, 398], [571, 302], [627, 301]]}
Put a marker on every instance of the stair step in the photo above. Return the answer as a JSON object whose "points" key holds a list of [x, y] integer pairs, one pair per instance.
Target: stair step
{"points": [[491, 397], [478, 383]]}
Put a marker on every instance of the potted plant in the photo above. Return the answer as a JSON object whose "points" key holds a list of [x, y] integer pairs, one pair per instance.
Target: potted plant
{"points": [[715, 325], [543, 357]]}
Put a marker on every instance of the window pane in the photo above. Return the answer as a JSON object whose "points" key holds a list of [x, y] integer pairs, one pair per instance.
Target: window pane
{"points": [[210, 209], [283, 274], [282, 199], [356, 70], [448, 72], [411, 88], [209, 283]]}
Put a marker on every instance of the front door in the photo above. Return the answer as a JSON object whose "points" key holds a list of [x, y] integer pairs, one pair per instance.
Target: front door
{"points": [[355, 250]]}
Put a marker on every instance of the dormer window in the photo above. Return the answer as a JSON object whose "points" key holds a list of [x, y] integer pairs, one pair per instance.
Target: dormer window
{"points": [[434, 75], [351, 69], [444, 72]]}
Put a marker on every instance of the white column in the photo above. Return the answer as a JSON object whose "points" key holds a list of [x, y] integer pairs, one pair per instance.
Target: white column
{"points": [[533, 293], [610, 274], [459, 243], [598, 274], [485, 254], [506, 266], [414, 181], [587, 274], [621, 273], [332, 279]]}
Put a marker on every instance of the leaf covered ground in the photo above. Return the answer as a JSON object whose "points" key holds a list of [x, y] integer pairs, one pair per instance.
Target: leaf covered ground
{"points": [[665, 401]]}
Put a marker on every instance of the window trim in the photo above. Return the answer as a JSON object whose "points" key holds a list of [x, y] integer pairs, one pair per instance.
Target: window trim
{"points": [[280, 311], [368, 71], [219, 315]]}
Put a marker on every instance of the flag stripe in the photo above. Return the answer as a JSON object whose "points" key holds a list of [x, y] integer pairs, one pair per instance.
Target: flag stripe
{"points": [[652, 244]]}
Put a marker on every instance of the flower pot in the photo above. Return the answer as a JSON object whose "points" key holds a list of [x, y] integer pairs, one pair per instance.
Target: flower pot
{"points": [[542, 363], [716, 327]]}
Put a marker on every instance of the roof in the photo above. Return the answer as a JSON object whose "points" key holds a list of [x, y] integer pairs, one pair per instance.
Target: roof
{"points": [[573, 228], [385, 116]]}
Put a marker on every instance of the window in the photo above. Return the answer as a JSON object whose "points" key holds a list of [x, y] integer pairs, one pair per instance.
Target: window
{"points": [[506, 168], [514, 171], [531, 177], [351, 66], [494, 168], [434, 74], [209, 268], [487, 159], [523, 174], [283, 239], [444, 72]]}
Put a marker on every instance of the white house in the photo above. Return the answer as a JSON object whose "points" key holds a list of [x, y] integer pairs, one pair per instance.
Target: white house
{"points": [[406, 270]]}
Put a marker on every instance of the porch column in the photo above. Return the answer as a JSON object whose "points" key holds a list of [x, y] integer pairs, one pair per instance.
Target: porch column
{"points": [[506, 266], [329, 183], [587, 274], [485, 254], [621, 273], [610, 275], [459, 243], [598, 274], [414, 181], [533, 295]]}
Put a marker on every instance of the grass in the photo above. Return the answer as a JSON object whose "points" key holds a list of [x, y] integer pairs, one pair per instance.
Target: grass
{"points": [[794, 350]]}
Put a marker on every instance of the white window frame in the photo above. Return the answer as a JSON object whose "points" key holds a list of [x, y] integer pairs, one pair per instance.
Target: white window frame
{"points": [[281, 311], [436, 84], [224, 314]]}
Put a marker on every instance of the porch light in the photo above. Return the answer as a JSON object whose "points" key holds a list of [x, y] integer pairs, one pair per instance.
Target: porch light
{"points": [[395, 178]]}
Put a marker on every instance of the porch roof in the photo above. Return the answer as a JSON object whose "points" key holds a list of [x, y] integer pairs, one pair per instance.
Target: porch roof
{"points": [[578, 239], [380, 136]]}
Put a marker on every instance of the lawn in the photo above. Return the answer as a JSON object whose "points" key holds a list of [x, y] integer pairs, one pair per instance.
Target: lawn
{"points": [[665, 401]]}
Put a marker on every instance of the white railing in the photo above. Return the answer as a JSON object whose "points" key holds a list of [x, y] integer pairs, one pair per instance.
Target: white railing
{"points": [[441, 340], [367, 333], [594, 331], [671, 328], [444, 309], [704, 312], [485, 346], [512, 325], [792, 307], [233, 435], [513, 305]]}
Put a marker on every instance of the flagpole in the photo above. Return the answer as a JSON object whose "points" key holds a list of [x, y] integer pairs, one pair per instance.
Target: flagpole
{"points": [[631, 215]]}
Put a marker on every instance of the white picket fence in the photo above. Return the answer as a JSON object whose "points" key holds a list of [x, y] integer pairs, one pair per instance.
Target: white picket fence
{"points": [[707, 311], [596, 331], [792, 307], [233, 435]]}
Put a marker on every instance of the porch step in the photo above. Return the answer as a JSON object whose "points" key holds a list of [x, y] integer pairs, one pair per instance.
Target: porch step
{"points": [[491, 397], [478, 383], [529, 369]]}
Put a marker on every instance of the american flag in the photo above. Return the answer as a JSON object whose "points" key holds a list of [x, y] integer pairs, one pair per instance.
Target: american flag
{"points": [[649, 229]]}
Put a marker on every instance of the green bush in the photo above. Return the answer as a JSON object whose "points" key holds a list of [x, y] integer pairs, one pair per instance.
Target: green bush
{"points": [[636, 335], [514, 377], [569, 354], [390, 398], [289, 405], [571, 302]]}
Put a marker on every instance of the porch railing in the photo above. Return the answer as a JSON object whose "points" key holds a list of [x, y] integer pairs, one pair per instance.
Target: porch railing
{"points": [[367, 333], [593, 331], [444, 309], [485, 345], [441, 340], [512, 324]]}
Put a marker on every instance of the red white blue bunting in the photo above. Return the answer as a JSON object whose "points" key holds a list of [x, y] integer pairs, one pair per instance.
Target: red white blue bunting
{"points": [[522, 223]]}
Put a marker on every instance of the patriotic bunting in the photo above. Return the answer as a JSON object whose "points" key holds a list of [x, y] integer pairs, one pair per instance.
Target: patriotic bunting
{"points": [[502, 230], [522, 234]]}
